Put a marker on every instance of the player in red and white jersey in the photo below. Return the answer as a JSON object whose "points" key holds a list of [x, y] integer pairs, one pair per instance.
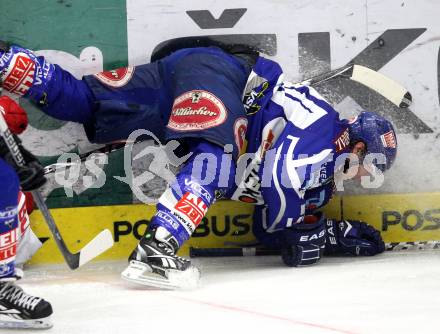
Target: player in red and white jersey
{"points": [[17, 241]]}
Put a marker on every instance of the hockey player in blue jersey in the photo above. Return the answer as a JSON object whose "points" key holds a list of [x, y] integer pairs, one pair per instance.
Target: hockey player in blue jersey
{"points": [[228, 105], [17, 308]]}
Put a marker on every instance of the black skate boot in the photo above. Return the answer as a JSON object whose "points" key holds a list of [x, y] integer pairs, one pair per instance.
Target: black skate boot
{"points": [[154, 263], [20, 310]]}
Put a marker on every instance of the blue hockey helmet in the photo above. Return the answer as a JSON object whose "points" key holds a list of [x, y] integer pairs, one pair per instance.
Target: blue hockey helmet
{"points": [[378, 135]]}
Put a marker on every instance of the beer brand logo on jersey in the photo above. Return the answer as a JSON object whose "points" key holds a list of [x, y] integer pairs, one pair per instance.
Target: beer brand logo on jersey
{"points": [[388, 139], [240, 128], [20, 74], [342, 141], [192, 207], [116, 78], [197, 110]]}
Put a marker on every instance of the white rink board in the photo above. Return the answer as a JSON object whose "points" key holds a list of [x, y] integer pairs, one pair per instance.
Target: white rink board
{"points": [[415, 67], [396, 293]]}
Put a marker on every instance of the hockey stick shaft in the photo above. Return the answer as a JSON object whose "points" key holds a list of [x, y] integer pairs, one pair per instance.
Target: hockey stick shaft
{"points": [[107, 149], [99, 244], [258, 251], [345, 70]]}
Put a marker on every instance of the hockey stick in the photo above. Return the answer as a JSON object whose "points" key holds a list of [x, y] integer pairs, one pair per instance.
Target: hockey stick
{"points": [[376, 81], [258, 251], [95, 247], [107, 149]]}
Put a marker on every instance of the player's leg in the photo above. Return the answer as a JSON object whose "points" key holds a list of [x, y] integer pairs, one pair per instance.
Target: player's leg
{"points": [[207, 85], [110, 105], [28, 243], [179, 211], [52, 89], [17, 308], [165, 97]]}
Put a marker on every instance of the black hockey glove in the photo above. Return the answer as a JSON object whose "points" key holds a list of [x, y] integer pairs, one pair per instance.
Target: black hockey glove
{"points": [[32, 174], [352, 237], [304, 242]]}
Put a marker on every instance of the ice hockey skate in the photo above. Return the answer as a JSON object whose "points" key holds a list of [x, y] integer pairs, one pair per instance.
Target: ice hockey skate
{"points": [[155, 264], [21, 310]]}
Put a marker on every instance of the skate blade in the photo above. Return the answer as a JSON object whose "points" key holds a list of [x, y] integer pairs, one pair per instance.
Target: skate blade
{"points": [[141, 273], [10, 323]]}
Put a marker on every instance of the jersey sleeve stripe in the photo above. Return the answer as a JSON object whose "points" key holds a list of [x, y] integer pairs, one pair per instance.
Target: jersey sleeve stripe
{"points": [[311, 94]]}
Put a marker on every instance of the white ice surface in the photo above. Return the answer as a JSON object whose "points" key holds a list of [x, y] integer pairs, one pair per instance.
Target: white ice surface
{"points": [[392, 293]]}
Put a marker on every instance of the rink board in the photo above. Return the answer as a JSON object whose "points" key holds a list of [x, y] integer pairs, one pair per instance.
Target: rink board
{"points": [[399, 217]]}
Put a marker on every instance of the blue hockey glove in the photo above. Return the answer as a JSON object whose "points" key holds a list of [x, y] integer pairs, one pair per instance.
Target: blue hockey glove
{"points": [[351, 237], [23, 73], [303, 244]]}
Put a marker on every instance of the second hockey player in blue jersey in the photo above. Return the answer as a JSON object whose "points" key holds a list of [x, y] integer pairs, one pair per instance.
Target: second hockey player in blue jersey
{"points": [[213, 102]]}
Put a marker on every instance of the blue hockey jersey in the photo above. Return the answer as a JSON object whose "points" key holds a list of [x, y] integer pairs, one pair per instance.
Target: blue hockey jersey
{"points": [[292, 141]]}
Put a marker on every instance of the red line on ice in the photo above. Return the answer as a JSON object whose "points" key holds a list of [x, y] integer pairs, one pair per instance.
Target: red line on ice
{"points": [[237, 309]]}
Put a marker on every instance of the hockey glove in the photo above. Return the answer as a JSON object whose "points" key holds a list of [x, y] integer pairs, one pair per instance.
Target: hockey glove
{"points": [[24, 73], [15, 116], [304, 243], [352, 237], [32, 174]]}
